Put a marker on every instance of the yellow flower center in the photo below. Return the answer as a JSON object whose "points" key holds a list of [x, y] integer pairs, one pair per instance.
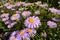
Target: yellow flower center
{"points": [[14, 15], [29, 30], [31, 20], [21, 33], [14, 39]]}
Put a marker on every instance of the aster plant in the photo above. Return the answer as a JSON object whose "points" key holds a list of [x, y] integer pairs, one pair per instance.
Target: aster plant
{"points": [[22, 20]]}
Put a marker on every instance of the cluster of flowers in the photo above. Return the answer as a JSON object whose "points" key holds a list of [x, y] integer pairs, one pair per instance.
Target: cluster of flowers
{"points": [[17, 4], [23, 34], [31, 22], [7, 21]]}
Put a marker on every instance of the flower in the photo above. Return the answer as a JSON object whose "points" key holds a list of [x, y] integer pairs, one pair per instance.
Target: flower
{"points": [[9, 6], [15, 17], [4, 15], [51, 24], [14, 36], [31, 32], [22, 35], [32, 22], [26, 13], [37, 12], [53, 10], [11, 24]]}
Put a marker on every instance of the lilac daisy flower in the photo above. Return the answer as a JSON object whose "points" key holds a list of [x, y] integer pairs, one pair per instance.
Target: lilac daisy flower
{"points": [[15, 17], [11, 24], [37, 12], [53, 10], [26, 13], [32, 22], [14, 36], [31, 32], [4, 15], [22, 34], [9, 6], [51, 24]]}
